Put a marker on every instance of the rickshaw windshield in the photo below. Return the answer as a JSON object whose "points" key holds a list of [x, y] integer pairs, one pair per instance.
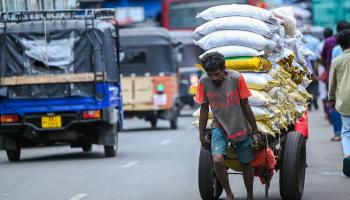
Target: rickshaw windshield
{"points": [[150, 60]]}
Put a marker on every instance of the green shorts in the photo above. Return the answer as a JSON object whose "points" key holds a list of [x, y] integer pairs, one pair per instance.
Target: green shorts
{"points": [[219, 145]]}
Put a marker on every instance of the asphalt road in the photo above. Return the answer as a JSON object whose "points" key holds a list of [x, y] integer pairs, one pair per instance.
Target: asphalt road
{"points": [[155, 164]]}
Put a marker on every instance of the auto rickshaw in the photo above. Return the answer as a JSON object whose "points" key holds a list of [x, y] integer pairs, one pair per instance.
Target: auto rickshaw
{"points": [[189, 73], [149, 68]]}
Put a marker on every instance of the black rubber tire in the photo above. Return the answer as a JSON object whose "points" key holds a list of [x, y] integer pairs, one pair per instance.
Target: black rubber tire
{"points": [[86, 147], [173, 123], [14, 155], [293, 167], [153, 122], [111, 151], [206, 177]]}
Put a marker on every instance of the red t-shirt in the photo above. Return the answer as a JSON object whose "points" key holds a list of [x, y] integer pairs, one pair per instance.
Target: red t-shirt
{"points": [[244, 91], [224, 101]]}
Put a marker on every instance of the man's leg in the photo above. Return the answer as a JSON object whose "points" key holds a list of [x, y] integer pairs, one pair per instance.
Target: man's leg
{"points": [[222, 175], [337, 125], [245, 156], [248, 177], [218, 149], [346, 145], [345, 134]]}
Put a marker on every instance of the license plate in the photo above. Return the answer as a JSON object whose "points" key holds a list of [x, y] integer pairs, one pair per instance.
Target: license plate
{"points": [[51, 122], [160, 99]]}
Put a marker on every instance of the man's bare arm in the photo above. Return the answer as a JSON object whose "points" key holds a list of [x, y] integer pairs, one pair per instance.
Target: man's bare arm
{"points": [[203, 120], [249, 115]]}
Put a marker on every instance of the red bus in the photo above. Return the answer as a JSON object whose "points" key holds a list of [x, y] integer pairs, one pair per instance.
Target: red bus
{"points": [[180, 14]]}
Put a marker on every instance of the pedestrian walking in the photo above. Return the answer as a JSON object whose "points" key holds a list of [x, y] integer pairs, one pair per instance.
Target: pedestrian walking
{"points": [[323, 91], [227, 94], [330, 43], [339, 96], [312, 43]]}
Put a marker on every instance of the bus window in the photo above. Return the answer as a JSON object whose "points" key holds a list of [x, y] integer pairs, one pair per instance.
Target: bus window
{"points": [[48, 5], [9, 5], [33, 5], [182, 14], [21, 5]]}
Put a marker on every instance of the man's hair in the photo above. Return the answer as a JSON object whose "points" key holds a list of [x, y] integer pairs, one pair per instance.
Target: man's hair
{"points": [[327, 32], [343, 39], [342, 25], [213, 61]]}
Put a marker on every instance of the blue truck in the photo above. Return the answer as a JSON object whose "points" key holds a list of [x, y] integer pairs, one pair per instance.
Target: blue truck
{"points": [[60, 79]]}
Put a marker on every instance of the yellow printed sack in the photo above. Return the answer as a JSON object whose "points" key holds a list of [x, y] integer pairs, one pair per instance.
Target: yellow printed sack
{"points": [[248, 64]]}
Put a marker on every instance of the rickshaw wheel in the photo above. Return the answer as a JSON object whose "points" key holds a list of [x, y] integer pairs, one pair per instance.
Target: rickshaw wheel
{"points": [[173, 123], [292, 174], [153, 122], [209, 186]]}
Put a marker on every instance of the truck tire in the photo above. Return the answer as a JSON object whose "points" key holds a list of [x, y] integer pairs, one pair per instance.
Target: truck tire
{"points": [[14, 155], [293, 165], [111, 150], [206, 177], [86, 147]]}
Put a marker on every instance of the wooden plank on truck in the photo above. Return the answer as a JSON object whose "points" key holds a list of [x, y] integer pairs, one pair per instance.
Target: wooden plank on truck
{"points": [[50, 79]]}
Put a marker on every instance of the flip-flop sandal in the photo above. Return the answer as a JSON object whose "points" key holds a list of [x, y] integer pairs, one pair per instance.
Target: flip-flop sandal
{"points": [[335, 139]]}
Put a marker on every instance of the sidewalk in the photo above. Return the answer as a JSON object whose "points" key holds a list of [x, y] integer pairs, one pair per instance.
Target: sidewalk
{"points": [[324, 159]]}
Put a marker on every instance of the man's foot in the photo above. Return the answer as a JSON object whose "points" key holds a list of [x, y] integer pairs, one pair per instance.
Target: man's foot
{"points": [[229, 196], [336, 139]]}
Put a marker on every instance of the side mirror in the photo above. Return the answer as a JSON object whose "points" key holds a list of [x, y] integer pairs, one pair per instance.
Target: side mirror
{"points": [[178, 52]]}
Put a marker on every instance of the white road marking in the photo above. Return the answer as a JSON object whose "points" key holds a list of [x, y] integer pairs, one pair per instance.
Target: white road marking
{"points": [[165, 142], [4, 194], [332, 173], [130, 164], [78, 197]]}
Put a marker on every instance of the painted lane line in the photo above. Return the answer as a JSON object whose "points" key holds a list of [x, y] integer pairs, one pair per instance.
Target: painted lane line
{"points": [[130, 164], [332, 173], [5, 194], [78, 197], [165, 142]]}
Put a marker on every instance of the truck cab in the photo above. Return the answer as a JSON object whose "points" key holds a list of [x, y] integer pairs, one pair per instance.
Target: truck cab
{"points": [[60, 79]]}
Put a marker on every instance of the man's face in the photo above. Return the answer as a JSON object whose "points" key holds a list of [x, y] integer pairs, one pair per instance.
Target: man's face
{"points": [[217, 77]]}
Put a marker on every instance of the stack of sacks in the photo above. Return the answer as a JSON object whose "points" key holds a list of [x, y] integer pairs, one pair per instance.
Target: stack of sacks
{"points": [[243, 34], [254, 42]]}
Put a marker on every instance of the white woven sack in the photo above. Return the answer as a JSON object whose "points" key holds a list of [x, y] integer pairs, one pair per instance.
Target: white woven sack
{"points": [[237, 10], [235, 51], [238, 23], [233, 37], [286, 14], [257, 81]]}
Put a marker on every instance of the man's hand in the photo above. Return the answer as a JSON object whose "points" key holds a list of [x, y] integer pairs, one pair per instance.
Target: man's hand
{"points": [[205, 143], [332, 103], [256, 137]]}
